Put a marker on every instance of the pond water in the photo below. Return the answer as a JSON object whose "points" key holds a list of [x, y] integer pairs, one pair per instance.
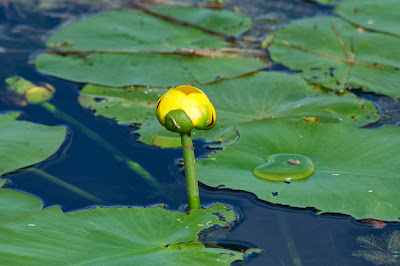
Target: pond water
{"points": [[286, 235]]}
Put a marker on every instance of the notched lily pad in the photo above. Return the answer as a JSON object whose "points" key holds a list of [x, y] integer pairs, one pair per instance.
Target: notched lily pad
{"points": [[262, 95], [356, 170], [140, 236], [366, 60]]}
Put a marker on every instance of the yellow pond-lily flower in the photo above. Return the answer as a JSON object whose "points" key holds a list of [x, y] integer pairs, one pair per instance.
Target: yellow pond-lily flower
{"points": [[193, 102]]}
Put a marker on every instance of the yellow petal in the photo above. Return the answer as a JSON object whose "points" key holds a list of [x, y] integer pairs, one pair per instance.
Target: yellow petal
{"points": [[170, 101]]}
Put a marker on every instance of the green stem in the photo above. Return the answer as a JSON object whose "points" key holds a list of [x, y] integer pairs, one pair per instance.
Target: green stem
{"points": [[137, 168], [65, 185], [192, 185], [284, 228]]}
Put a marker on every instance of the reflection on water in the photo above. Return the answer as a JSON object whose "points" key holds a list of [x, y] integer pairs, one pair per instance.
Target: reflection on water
{"points": [[317, 239]]}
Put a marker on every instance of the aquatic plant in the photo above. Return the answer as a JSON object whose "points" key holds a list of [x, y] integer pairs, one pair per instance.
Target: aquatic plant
{"points": [[382, 249], [180, 110]]}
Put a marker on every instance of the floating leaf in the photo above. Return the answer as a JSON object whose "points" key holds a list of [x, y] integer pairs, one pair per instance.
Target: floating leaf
{"points": [[124, 48], [311, 45], [24, 143], [118, 236], [223, 21], [8, 116], [15, 204], [356, 170], [262, 95], [144, 69], [382, 16], [383, 249], [130, 30]]}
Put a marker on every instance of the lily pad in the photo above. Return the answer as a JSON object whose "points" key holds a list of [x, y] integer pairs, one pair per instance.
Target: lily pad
{"points": [[144, 69], [382, 16], [312, 46], [124, 48], [24, 143], [15, 204], [356, 170], [117, 236], [262, 95], [130, 30], [223, 21]]}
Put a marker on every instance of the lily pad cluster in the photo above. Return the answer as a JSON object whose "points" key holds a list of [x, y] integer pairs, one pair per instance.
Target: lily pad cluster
{"points": [[268, 121], [106, 235], [336, 54], [121, 48]]}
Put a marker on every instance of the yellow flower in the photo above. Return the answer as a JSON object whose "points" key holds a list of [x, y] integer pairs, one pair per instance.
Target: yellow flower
{"points": [[193, 102]]}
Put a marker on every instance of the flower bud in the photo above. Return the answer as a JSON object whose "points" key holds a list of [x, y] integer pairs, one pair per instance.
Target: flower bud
{"points": [[23, 92], [185, 107], [36, 95]]}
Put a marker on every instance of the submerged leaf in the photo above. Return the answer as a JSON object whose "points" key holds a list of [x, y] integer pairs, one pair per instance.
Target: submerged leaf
{"points": [[356, 170], [371, 60], [260, 96], [118, 236], [383, 249]]}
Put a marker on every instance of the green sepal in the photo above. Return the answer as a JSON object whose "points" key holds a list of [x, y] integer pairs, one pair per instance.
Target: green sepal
{"points": [[18, 84], [178, 121]]}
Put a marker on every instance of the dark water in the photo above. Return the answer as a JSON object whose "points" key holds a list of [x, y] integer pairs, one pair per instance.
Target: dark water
{"points": [[316, 239]]}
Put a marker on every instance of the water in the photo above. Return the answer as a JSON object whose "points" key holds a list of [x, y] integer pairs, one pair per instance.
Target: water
{"points": [[284, 234], [285, 167]]}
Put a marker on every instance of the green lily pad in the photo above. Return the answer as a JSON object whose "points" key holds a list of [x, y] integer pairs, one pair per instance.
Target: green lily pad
{"points": [[130, 30], [262, 95], [8, 116], [15, 204], [144, 69], [124, 48], [356, 170], [312, 46], [24, 143], [223, 21], [114, 236], [382, 16]]}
